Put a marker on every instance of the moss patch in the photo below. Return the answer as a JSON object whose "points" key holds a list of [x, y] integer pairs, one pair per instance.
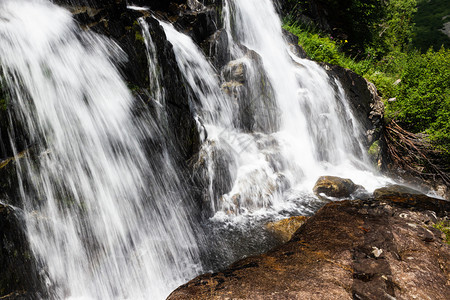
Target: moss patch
{"points": [[444, 226], [138, 36], [375, 149], [3, 103]]}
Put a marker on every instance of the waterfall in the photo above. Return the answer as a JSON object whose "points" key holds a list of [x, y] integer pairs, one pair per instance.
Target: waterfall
{"points": [[105, 220], [274, 122], [107, 207]]}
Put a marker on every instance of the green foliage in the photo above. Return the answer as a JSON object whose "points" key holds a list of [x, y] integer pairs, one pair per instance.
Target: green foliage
{"points": [[317, 47], [429, 19], [395, 29], [423, 96], [374, 27], [444, 226]]}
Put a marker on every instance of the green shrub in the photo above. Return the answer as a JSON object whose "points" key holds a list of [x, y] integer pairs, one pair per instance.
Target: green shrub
{"points": [[430, 17], [423, 99]]}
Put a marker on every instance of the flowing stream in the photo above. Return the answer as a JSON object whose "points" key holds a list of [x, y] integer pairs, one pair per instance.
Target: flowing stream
{"points": [[106, 215]]}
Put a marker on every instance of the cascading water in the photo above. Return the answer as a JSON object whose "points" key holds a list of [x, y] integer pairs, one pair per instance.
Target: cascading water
{"points": [[274, 124], [106, 211], [106, 221]]}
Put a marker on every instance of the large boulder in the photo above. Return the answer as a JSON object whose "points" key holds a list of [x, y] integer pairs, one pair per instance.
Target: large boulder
{"points": [[336, 187], [354, 249]]}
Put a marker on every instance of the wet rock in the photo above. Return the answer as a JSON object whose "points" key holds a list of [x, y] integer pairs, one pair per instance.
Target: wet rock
{"points": [[410, 198], [120, 24], [200, 24], [9, 181], [212, 175], [286, 228], [235, 71], [19, 274], [352, 249], [364, 101], [246, 82], [335, 187], [216, 48], [181, 121], [292, 40], [9, 126]]}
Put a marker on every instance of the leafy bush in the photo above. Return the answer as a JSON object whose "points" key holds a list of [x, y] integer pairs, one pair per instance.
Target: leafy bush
{"points": [[430, 17], [423, 99]]}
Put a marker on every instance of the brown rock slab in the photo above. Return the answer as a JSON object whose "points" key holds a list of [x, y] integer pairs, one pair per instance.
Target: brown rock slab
{"points": [[286, 228], [354, 249], [410, 198]]}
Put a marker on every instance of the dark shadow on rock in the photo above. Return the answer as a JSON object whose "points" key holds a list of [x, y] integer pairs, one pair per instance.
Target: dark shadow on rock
{"points": [[20, 277]]}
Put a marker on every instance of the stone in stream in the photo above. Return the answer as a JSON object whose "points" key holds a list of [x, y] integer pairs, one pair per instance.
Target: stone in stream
{"points": [[353, 249], [335, 187]]}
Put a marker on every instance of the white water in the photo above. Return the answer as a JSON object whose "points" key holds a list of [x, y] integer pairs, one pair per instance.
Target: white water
{"points": [[313, 132], [107, 222]]}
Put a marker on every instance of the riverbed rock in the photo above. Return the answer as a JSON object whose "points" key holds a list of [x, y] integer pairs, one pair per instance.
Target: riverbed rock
{"points": [[336, 187], [353, 249]]}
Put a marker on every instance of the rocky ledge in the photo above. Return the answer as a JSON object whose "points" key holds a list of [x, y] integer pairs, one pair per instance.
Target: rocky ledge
{"points": [[382, 248]]}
